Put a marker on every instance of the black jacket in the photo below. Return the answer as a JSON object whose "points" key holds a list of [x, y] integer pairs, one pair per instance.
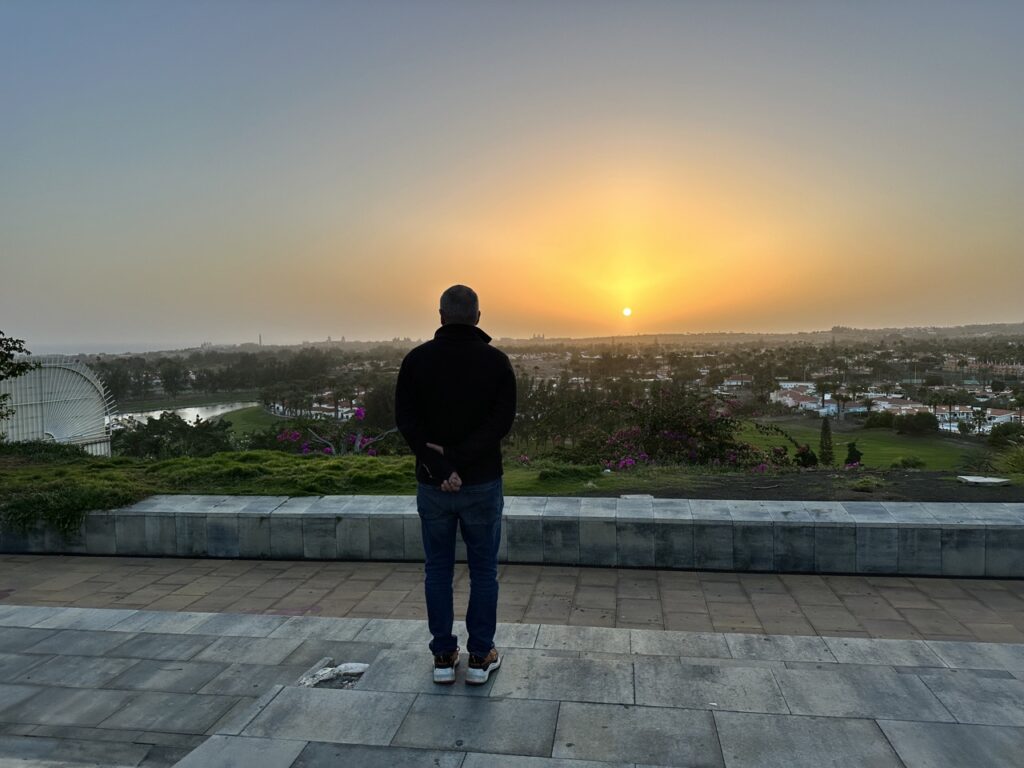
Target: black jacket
{"points": [[459, 392]]}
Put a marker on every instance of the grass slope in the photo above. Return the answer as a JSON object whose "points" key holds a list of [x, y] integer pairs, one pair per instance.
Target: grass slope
{"points": [[246, 420]]}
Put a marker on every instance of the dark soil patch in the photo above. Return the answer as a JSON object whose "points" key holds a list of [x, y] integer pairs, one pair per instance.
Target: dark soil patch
{"points": [[818, 485]]}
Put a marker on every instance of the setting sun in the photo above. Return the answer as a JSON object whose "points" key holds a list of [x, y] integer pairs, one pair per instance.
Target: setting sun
{"points": [[626, 311]]}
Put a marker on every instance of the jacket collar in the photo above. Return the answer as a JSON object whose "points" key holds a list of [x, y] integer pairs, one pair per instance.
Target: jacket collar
{"points": [[460, 331]]}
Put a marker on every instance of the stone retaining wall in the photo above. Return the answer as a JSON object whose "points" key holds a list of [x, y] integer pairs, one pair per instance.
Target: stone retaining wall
{"points": [[932, 539]]}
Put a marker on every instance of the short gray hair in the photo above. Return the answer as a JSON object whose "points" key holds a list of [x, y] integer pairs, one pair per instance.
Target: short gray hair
{"points": [[459, 304]]}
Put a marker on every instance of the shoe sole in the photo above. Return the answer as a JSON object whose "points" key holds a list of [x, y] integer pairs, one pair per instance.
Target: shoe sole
{"points": [[444, 679], [480, 676]]}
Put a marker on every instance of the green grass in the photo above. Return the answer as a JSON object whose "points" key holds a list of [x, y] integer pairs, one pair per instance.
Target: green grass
{"points": [[881, 447], [185, 400], [247, 420]]}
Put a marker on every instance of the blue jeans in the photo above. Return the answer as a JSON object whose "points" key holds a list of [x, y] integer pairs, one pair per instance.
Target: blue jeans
{"points": [[476, 510]]}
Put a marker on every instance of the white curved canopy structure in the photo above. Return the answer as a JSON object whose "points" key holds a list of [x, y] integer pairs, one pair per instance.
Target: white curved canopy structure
{"points": [[63, 401]]}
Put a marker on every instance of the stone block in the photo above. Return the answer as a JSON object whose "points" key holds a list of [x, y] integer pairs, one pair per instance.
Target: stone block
{"points": [[659, 642], [319, 540], [877, 549], [597, 542], [1004, 552], [171, 712], [794, 547], [222, 535], [190, 535], [673, 541], [100, 534], [557, 637], [387, 538], [254, 536], [980, 700], [712, 544], [130, 532], [635, 541], [63, 706], [920, 550], [353, 536], [561, 539], [413, 531], [753, 545], [835, 548], [899, 653], [525, 540], [779, 648], [161, 535], [286, 536], [963, 551]]}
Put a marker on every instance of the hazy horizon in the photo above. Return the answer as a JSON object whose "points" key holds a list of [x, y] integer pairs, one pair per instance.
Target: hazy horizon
{"points": [[178, 173]]}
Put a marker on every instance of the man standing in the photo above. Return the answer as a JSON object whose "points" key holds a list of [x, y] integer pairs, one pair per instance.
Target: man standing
{"points": [[454, 402]]}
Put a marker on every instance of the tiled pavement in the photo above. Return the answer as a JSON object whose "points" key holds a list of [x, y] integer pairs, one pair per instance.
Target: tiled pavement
{"points": [[850, 606], [120, 687]]}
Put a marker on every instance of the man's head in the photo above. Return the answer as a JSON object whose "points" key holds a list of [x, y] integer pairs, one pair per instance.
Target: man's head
{"points": [[460, 305]]}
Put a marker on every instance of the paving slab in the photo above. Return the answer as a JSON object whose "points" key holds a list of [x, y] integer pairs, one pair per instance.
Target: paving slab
{"points": [[860, 650], [477, 760], [80, 642], [15, 639], [345, 716], [66, 706], [253, 679], [980, 700], [172, 712], [652, 642], [321, 755], [72, 671], [85, 618], [163, 647], [591, 639], [319, 627], [341, 651], [668, 682], [409, 670], [168, 622], [41, 752], [860, 692], [26, 615], [946, 745], [12, 696], [786, 741], [235, 751], [778, 647], [967, 655], [564, 679], [648, 735], [249, 650], [16, 665], [508, 726], [238, 625], [171, 676]]}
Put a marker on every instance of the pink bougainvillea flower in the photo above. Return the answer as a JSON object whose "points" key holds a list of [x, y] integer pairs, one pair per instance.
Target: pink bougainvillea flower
{"points": [[360, 414]]}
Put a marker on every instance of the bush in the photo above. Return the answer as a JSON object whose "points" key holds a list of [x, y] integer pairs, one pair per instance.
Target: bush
{"points": [[171, 436], [805, 457], [1011, 461], [908, 462], [41, 449], [1005, 435], [825, 442], [880, 420], [853, 456], [922, 423]]}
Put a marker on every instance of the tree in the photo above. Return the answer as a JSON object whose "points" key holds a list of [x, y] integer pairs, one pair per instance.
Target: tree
{"points": [[11, 369], [922, 423], [172, 375], [825, 442], [997, 386]]}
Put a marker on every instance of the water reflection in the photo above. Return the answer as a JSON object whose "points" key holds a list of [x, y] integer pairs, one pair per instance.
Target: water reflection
{"points": [[204, 412]]}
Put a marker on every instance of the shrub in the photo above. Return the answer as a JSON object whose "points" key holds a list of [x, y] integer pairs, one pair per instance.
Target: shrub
{"points": [[825, 442], [908, 462], [865, 485], [853, 456], [1004, 435], [1011, 461], [880, 420], [805, 457], [922, 423]]}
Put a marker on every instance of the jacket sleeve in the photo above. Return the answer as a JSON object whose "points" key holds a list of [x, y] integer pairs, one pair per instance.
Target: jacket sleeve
{"points": [[494, 427], [410, 423]]}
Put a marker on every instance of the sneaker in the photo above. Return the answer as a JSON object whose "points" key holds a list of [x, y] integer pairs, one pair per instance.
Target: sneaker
{"points": [[480, 667], [444, 667]]}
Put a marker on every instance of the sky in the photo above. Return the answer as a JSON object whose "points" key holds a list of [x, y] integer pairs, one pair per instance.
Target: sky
{"points": [[179, 172]]}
